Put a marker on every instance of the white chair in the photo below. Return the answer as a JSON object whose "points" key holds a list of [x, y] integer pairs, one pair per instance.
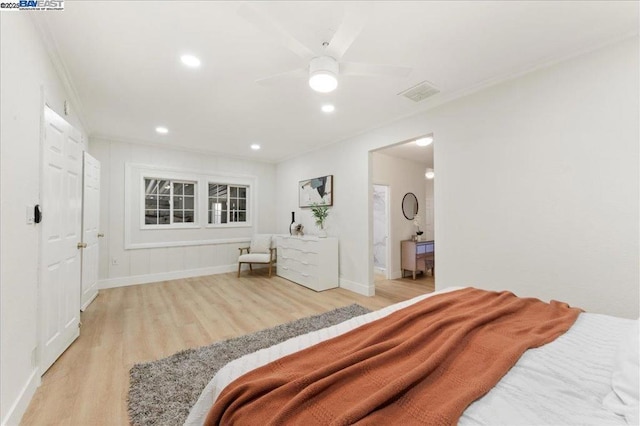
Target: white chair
{"points": [[261, 251]]}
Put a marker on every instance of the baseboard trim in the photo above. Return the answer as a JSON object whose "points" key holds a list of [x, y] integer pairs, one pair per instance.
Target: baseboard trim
{"points": [[379, 270], [394, 275], [165, 276], [17, 410], [359, 288], [86, 305]]}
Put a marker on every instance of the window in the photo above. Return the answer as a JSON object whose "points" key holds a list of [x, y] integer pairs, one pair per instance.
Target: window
{"points": [[169, 202], [227, 203]]}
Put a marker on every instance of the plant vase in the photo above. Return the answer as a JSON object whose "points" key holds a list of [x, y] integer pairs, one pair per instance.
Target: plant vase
{"points": [[320, 213]]}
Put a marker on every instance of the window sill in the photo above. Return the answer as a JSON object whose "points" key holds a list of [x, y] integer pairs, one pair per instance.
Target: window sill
{"points": [[169, 227], [228, 225]]}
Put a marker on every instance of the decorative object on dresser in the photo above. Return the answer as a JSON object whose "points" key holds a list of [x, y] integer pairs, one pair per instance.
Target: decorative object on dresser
{"points": [[311, 262], [320, 213], [261, 251], [295, 229], [416, 223], [293, 225], [417, 256], [317, 190]]}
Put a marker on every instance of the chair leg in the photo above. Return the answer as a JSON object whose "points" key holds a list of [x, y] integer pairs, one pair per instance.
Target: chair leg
{"points": [[251, 268], [239, 266], [270, 264]]}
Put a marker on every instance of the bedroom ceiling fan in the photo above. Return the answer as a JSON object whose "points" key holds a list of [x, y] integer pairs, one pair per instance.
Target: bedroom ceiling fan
{"points": [[324, 65]]}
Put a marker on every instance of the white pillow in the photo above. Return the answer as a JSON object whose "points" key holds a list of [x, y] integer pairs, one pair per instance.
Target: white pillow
{"points": [[625, 380], [260, 243]]}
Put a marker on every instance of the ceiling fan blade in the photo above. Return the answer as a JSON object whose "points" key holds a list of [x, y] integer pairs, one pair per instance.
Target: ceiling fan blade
{"points": [[299, 72], [355, 17], [271, 28], [357, 68]]}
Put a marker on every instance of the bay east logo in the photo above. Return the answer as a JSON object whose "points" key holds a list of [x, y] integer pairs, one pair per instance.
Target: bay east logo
{"points": [[41, 4]]}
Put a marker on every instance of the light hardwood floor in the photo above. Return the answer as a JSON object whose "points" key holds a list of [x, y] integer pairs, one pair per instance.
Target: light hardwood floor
{"points": [[88, 385]]}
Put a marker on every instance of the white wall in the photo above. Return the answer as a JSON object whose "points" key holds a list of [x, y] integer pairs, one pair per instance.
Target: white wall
{"points": [[537, 184], [429, 211], [349, 166], [401, 176], [536, 187], [217, 250], [27, 79]]}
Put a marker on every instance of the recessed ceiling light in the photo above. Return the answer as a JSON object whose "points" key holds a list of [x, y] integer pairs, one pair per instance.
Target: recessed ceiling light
{"points": [[190, 61], [429, 174], [162, 130], [328, 108], [255, 147], [424, 141]]}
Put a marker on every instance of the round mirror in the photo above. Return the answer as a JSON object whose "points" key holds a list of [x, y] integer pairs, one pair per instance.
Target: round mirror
{"points": [[410, 205]]}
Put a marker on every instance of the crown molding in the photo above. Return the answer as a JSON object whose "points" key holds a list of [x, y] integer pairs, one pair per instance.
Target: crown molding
{"points": [[101, 137], [60, 67], [446, 97]]}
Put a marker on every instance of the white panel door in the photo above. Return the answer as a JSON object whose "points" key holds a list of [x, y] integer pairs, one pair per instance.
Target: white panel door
{"points": [[61, 204], [90, 232]]}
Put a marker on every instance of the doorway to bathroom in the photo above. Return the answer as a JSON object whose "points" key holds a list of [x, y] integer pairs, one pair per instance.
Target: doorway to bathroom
{"points": [[380, 232]]}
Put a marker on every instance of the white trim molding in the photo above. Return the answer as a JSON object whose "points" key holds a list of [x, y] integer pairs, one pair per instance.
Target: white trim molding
{"points": [[363, 289], [188, 243], [139, 236], [18, 408], [165, 276]]}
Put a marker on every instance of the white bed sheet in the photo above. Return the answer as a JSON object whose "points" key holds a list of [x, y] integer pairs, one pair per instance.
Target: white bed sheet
{"points": [[561, 383]]}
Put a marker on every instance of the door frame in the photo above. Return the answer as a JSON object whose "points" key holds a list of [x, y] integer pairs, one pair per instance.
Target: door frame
{"points": [[387, 272]]}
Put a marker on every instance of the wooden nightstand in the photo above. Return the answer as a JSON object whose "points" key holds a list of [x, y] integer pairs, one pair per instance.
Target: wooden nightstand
{"points": [[417, 256]]}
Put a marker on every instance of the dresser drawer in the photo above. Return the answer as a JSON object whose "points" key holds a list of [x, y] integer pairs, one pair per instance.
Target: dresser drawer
{"points": [[302, 244], [298, 255], [309, 280], [310, 262], [286, 272]]}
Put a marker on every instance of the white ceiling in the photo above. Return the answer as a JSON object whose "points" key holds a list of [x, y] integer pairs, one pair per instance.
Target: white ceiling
{"points": [[122, 59]]}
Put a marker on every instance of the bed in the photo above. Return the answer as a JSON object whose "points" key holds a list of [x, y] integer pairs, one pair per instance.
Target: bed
{"points": [[587, 375]]}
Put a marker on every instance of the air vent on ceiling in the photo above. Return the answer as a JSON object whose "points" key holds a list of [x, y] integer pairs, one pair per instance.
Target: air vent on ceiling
{"points": [[420, 91]]}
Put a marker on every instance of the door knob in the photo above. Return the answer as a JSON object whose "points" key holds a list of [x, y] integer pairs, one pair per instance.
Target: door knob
{"points": [[81, 245], [100, 235]]}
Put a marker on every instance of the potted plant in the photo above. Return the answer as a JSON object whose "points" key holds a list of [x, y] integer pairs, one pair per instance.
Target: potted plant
{"points": [[320, 213]]}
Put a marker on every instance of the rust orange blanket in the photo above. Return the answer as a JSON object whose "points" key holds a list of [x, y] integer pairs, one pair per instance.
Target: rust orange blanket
{"points": [[423, 364]]}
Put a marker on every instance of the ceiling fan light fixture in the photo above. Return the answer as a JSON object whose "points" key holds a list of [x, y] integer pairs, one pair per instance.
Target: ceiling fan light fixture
{"points": [[323, 74], [323, 82]]}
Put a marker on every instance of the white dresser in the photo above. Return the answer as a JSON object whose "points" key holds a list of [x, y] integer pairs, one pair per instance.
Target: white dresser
{"points": [[309, 261]]}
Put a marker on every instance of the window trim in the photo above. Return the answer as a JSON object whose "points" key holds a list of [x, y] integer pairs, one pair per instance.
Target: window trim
{"points": [[143, 188], [179, 225], [249, 210], [135, 231]]}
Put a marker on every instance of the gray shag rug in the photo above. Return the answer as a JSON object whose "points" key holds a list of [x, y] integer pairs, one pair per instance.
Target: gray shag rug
{"points": [[162, 392]]}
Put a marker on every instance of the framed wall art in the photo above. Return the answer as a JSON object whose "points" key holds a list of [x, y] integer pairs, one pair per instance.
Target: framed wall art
{"points": [[316, 191]]}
